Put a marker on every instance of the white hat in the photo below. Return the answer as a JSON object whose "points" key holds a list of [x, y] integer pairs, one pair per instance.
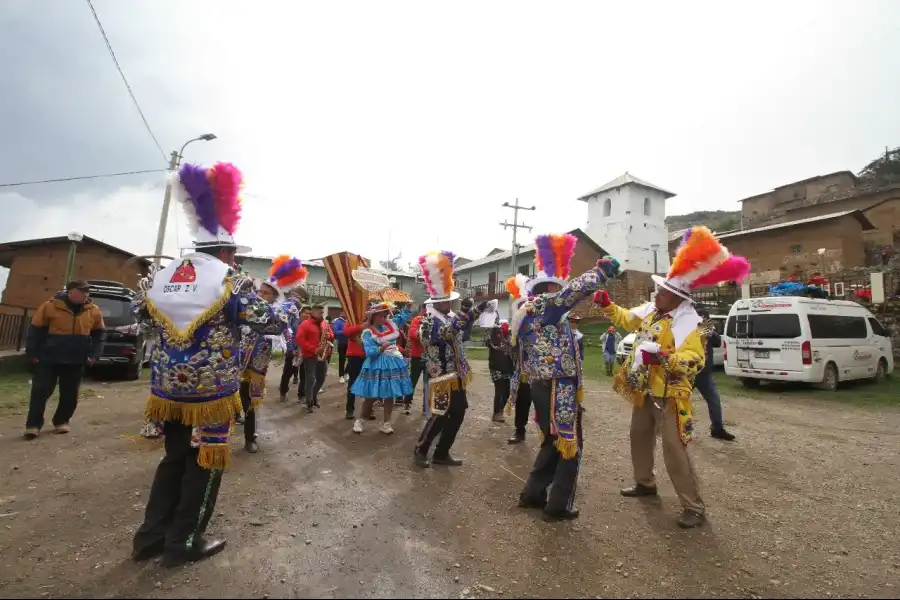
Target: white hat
{"points": [[701, 260], [553, 256]]}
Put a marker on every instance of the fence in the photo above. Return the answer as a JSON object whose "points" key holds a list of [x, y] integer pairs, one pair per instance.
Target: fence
{"points": [[13, 327]]}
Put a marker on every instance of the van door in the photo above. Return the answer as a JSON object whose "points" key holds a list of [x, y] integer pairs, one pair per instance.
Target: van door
{"points": [[844, 340], [881, 341], [767, 341]]}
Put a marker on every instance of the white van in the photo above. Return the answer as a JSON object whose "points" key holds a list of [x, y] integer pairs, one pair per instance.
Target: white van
{"points": [[792, 338], [624, 348]]}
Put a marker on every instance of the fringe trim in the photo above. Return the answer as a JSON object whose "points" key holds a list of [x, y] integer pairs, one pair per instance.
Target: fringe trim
{"points": [[257, 383], [210, 412], [183, 339], [215, 456], [568, 449]]}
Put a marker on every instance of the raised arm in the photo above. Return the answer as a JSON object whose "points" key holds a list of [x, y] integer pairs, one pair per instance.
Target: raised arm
{"points": [[554, 308]]}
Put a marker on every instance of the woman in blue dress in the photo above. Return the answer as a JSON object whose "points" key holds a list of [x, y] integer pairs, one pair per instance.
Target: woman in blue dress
{"points": [[385, 373]]}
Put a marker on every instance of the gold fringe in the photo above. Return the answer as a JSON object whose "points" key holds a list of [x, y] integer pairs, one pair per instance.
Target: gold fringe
{"points": [[257, 401], [567, 449], [216, 456], [211, 412], [183, 339]]}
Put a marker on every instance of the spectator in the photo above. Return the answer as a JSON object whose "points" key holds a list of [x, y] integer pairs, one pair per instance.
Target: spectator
{"points": [[706, 384], [609, 341], [416, 363], [309, 343], [66, 334], [500, 365]]}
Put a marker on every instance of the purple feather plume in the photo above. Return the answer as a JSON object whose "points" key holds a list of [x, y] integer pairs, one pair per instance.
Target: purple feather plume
{"points": [[286, 268], [546, 258], [449, 255], [686, 236], [196, 184]]}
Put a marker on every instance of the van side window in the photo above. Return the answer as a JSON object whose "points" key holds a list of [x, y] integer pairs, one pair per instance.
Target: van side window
{"points": [[768, 326], [835, 327], [878, 328]]}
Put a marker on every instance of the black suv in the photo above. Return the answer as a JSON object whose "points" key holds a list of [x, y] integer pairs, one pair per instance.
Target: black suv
{"points": [[124, 348]]}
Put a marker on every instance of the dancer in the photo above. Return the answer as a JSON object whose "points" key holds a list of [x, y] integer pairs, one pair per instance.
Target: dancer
{"points": [[554, 369], [441, 333], [292, 306], [609, 341], [668, 352], [500, 366], [520, 388], [384, 374], [197, 304], [256, 349]]}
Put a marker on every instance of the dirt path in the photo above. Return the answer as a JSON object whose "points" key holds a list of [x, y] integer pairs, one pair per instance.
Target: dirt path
{"points": [[803, 504]]}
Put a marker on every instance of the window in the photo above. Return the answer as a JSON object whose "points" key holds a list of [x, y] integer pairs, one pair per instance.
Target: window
{"points": [[607, 207], [837, 327], [115, 311], [768, 326], [796, 248], [878, 328], [463, 283], [525, 270], [646, 207]]}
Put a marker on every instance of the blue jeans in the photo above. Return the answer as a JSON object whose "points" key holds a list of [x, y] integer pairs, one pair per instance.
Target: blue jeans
{"points": [[706, 385]]}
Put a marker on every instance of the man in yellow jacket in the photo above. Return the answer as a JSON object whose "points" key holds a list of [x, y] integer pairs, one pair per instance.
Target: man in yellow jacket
{"points": [[658, 378]]}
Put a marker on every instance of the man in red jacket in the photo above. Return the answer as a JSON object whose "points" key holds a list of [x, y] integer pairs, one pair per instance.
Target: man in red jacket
{"points": [[310, 343], [416, 365]]}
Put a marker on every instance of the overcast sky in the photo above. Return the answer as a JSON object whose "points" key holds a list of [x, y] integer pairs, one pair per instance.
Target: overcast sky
{"points": [[357, 123]]}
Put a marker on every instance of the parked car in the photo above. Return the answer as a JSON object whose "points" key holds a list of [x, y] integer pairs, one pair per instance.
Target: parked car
{"points": [[625, 346], [788, 338], [125, 348]]}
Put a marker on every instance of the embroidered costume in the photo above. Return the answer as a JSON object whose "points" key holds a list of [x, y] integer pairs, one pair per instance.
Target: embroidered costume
{"points": [[256, 348], [552, 362], [668, 352], [198, 304], [441, 333]]}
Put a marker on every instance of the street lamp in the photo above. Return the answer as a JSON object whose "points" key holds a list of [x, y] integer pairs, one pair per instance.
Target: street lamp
{"points": [[167, 199], [74, 237]]}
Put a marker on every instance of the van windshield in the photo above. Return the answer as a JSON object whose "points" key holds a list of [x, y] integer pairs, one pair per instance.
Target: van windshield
{"points": [[768, 326]]}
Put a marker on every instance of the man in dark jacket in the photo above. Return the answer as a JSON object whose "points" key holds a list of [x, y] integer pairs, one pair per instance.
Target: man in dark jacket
{"points": [[500, 364], [706, 384], [66, 334], [337, 326]]}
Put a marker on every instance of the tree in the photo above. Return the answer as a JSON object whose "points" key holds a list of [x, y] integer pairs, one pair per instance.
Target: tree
{"points": [[885, 168], [392, 264]]}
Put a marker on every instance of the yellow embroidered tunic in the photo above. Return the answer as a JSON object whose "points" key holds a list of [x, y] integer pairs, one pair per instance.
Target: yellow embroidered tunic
{"points": [[674, 379]]}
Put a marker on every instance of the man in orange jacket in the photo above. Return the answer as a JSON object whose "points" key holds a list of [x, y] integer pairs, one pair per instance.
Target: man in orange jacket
{"points": [[310, 340]]}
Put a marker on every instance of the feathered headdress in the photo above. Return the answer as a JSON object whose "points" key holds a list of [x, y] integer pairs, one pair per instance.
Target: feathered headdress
{"points": [[286, 272], [553, 257], [437, 270], [702, 260], [516, 286], [212, 202]]}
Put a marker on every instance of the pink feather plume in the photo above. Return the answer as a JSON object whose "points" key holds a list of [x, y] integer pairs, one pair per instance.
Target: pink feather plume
{"points": [[225, 180], [736, 269]]}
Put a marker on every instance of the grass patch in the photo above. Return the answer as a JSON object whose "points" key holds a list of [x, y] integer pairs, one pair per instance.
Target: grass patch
{"points": [[851, 392], [15, 390]]}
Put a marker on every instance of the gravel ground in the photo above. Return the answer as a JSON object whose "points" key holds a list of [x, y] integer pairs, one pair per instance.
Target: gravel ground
{"points": [[803, 504]]}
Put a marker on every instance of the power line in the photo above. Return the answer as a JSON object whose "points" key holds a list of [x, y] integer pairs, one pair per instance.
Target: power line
{"points": [[127, 85], [18, 183]]}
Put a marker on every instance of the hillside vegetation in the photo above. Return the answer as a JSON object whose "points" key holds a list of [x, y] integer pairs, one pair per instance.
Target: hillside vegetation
{"points": [[717, 220]]}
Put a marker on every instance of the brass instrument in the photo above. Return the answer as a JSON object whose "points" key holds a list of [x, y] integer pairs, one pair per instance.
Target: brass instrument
{"points": [[323, 342]]}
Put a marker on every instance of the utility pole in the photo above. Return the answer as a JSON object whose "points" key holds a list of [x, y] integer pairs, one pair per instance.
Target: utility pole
{"points": [[167, 200], [515, 227]]}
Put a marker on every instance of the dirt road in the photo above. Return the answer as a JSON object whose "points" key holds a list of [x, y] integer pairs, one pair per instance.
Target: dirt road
{"points": [[803, 504]]}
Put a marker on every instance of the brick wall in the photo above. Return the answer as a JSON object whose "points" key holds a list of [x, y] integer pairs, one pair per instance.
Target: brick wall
{"points": [[39, 272]]}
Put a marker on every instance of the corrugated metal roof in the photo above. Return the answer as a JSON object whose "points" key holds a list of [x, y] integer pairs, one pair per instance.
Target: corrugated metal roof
{"points": [[494, 258], [622, 180], [674, 235], [866, 224]]}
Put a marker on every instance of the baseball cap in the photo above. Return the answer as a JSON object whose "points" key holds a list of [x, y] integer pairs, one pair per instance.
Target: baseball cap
{"points": [[78, 284]]}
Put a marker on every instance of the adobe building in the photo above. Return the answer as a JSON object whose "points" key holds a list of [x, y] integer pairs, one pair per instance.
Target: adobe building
{"points": [[38, 267]]}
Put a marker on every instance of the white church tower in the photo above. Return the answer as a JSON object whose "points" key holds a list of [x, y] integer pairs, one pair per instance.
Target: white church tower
{"points": [[627, 218]]}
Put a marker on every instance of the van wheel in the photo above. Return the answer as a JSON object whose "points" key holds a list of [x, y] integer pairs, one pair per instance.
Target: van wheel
{"points": [[749, 383], [830, 378], [881, 371]]}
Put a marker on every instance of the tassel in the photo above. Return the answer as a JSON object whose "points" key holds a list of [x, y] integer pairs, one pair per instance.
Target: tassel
{"points": [[568, 449], [215, 456]]}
